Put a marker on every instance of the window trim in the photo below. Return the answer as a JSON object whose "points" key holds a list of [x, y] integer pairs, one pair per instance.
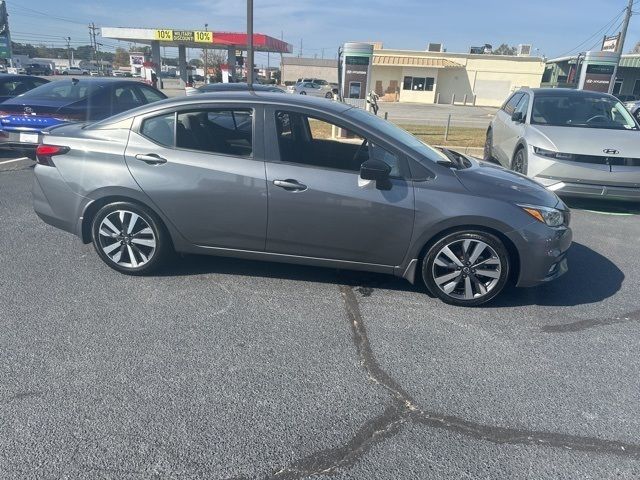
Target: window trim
{"points": [[139, 121], [321, 116]]}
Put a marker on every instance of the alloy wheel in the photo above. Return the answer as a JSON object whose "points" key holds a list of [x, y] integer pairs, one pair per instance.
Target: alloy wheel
{"points": [[467, 269], [127, 239], [519, 162]]}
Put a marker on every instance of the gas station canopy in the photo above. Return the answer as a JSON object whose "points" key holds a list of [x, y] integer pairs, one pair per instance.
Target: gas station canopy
{"points": [[196, 39]]}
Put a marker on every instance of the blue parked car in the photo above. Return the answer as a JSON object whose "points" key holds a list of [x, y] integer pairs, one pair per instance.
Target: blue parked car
{"points": [[23, 118]]}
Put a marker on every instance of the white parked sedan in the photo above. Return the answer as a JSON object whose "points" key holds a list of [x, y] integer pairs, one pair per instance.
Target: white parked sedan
{"points": [[314, 89]]}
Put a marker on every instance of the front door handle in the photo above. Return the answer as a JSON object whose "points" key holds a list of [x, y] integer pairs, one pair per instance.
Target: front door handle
{"points": [[290, 185], [151, 158]]}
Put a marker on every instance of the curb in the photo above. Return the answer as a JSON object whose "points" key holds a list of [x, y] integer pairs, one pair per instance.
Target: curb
{"points": [[15, 164]]}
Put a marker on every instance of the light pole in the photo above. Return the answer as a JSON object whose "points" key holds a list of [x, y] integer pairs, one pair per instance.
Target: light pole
{"points": [[68, 39], [250, 42], [206, 54]]}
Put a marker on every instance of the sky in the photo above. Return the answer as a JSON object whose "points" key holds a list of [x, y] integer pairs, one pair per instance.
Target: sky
{"points": [[553, 27]]}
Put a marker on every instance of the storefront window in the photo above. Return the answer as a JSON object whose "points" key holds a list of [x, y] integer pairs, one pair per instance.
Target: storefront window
{"points": [[419, 84]]}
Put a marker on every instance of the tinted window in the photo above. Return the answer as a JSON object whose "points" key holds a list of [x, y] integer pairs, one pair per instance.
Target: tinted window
{"points": [[125, 98], [160, 129], [15, 87], [512, 103], [306, 140], [150, 95], [63, 90], [574, 110], [224, 131]]}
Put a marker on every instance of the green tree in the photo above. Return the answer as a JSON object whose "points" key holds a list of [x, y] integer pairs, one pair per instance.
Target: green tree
{"points": [[121, 58], [505, 49]]}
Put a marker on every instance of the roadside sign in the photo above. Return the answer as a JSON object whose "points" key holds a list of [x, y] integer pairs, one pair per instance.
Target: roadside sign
{"points": [[166, 35], [183, 36], [203, 37]]}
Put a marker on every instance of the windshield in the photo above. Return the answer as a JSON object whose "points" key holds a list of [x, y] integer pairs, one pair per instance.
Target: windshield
{"points": [[572, 110], [71, 91], [398, 133]]}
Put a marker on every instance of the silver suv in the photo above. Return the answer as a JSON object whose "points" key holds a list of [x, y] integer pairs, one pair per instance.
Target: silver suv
{"points": [[574, 142]]}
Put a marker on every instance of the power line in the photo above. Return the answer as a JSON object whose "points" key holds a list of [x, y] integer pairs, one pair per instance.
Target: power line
{"points": [[599, 32], [44, 14]]}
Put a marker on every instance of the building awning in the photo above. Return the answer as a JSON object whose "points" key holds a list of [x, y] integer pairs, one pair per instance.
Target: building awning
{"points": [[632, 61], [414, 61]]}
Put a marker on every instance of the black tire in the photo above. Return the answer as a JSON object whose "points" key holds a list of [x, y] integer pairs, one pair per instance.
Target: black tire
{"points": [[520, 163], [488, 147], [303, 93], [155, 257], [478, 278], [637, 115], [329, 95], [65, 73]]}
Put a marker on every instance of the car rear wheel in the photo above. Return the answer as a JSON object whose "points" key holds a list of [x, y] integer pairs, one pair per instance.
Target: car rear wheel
{"points": [[130, 238], [329, 95], [519, 163], [466, 268], [303, 93]]}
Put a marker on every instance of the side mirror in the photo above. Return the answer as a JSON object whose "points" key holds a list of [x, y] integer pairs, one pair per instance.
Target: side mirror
{"points": [[517, 117], [374, 170]]}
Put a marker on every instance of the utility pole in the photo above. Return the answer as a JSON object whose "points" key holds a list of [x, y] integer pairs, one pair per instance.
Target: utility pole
{"points": [[94, 43], [68, 39], [250, 42], [625, 26], [300, 51]]}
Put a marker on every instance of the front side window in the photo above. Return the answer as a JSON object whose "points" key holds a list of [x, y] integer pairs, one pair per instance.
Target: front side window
{"points": [[523, 106], [576, 110], [126, 98], [221, 131], [310, 141], [511, 104]]}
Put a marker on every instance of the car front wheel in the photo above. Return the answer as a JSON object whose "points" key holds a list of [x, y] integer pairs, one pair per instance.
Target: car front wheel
{"points": [[466, 268], [130, 238], [520, 163]]}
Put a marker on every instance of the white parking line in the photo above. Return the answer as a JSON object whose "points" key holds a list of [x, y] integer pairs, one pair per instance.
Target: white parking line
{"points": [[2, 162]]}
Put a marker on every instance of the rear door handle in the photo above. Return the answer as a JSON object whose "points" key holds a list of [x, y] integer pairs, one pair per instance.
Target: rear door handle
{"points": [[151, 158], [290, 185]]}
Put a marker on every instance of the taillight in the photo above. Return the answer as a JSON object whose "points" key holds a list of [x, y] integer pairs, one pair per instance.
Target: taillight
{"points": [[45, 154], [70, 117]]}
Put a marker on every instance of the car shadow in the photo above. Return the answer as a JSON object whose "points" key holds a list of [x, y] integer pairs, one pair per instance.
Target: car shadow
{"points": [[591, 278], [578, 286]]}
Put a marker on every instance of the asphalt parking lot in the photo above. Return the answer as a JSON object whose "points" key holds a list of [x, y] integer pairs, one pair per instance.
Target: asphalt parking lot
{"points": [[220, 368]]}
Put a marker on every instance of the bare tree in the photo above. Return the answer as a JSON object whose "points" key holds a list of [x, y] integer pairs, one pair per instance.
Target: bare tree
{"points": [[636, 49]]}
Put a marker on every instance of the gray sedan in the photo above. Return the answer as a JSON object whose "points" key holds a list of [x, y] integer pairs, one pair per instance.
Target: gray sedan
{"points": [[299, 180], [574, 142]]}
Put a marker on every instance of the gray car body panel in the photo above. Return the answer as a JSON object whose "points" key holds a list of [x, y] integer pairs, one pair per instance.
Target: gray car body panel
{"points": [[569, 177], [216, 204]]}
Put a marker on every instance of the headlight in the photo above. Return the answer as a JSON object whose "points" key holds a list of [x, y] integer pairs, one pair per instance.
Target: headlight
{"points": [[551, 154], [549, 216]]}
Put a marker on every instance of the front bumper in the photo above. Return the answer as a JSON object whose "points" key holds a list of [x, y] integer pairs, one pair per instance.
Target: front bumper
{"points": [[576, 179], [542, 252]]}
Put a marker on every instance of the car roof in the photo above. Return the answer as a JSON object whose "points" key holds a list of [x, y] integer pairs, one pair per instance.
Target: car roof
{"points": [[235, 86], [10, 77], [564, 92], [251, 97]]}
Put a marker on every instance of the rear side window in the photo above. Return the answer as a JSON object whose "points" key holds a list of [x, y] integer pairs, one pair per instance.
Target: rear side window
{"points": [[160, 129], [221, 131], [150, 95], [510, 106], [15, 87]]}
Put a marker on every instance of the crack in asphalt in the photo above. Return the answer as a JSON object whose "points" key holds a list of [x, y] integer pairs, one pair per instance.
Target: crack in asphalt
{"points": [[404, 409], [591, 323]]}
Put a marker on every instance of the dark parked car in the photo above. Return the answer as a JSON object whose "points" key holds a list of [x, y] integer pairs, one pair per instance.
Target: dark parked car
{"points": [[37, 69], [14, 85], [23, 118], [295, 179]]}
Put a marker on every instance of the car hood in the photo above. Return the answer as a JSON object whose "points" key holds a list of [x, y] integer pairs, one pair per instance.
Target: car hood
{"points": [[489, 180], [585, 141]]}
